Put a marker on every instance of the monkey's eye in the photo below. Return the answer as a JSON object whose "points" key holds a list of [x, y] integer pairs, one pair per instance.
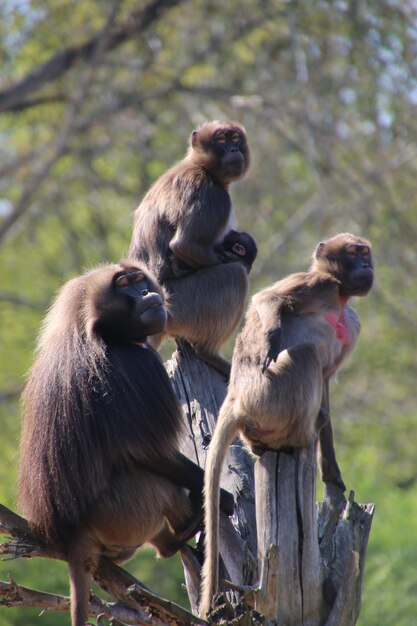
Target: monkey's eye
{"points": [[239, 249], [351, 250], [221, 138], [235, 137], [365, 252], [124, 280]]}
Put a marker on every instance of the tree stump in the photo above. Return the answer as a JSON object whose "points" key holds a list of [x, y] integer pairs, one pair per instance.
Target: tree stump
{"points": [[201, 390], [310, 557]]}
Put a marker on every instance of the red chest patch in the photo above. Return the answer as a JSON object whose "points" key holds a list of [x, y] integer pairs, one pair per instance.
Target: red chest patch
{"points": [[338, 322]]}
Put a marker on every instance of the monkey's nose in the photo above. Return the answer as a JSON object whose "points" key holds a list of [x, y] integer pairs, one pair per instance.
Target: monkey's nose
{"points": [[145, 292]]}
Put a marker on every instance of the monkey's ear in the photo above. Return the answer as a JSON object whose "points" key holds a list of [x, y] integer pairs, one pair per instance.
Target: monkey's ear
{"points": [[194, 138], [317, 253]]}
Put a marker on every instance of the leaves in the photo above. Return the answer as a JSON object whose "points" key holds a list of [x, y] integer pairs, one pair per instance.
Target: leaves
{"points": [[327, 92]]}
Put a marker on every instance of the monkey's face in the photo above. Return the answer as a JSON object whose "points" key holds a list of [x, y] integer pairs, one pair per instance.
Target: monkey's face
{"points": [[223, 149], [349, 259], [357, 272], [352, 265], [129, 306], [240, 246]]}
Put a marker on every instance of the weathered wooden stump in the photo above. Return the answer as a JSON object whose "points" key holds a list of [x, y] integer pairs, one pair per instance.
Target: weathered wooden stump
{"points": [[310, 557], [201, 390], [291, 578]]}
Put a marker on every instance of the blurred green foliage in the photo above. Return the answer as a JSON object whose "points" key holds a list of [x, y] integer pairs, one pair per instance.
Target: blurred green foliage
{"points": [[328, 94]]}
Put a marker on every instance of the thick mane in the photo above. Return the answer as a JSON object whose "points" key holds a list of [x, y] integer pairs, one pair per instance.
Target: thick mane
{"points": [[78, 402], [56, 395]]}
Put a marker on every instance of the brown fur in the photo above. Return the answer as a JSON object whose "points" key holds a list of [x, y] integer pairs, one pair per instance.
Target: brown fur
{"points": [[185, 214], [281, 363], [99, 410]]}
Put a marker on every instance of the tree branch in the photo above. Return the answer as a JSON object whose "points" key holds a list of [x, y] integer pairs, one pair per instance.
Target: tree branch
{"points": [[136, 604], [14, 595], [58, 147], [6, 395], [20, 301], [64, 60]]}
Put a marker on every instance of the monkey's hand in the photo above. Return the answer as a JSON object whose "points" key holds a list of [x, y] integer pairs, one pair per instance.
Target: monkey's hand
{"points": [[230, 257], [226, 256], [177, 267], [273, 338]]}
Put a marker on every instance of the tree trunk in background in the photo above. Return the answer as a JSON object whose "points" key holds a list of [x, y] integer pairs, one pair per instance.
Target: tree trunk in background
{"points": [[310, 557]]}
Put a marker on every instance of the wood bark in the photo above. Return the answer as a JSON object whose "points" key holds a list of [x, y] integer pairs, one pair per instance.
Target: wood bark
{"points": [[310, 557], [201, 390]]}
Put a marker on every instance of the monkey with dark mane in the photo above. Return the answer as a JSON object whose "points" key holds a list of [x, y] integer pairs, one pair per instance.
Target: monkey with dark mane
{"points": [[296, 335], [100, 470], [179, 226]]}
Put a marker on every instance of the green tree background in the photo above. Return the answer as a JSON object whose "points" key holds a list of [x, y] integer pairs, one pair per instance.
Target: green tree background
{"points": [[98, 98]]}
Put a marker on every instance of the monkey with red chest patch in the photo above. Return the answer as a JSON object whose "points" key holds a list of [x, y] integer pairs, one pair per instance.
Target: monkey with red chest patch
{"points": [[178, 232], [296, 335]]}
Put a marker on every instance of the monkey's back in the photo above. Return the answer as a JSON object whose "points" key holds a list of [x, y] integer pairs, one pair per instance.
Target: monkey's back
{"points": [[267, 404], [183, 188], [313, 329], [85, 421], [279, 406]]}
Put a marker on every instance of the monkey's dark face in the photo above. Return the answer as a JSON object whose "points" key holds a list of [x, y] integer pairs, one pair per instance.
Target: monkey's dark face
{"points": [[242, 245], [357, 273], [228, 145], [349, 259], [224, 150], [128, 306]]}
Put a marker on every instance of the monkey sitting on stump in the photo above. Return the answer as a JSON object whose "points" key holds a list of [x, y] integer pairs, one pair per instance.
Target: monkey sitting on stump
{"points": [[296, 335], [100, 471], [183, 218]]}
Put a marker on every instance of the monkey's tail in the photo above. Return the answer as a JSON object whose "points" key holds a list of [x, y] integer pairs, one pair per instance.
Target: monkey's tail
{"points": [[80, 580], [224, 433]]}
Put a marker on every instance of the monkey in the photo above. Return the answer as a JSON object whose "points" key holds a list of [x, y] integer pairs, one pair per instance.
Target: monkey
{"points": [[235, 247], [296, 335], [238, 246], [185, 214], [100, 469]]}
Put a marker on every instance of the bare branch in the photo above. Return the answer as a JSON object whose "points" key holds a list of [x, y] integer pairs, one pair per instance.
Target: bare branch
{"points": [[12, 523], [6, 395], [58, 147], [20, 301], [136, 604], [21, 105], [14, 595], [64, 60]]}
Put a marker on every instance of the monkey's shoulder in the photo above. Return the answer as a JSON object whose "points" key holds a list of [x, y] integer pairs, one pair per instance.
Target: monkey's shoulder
{"points": [[312, 285], [182, 189], [304, 283], [305, 292]]}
